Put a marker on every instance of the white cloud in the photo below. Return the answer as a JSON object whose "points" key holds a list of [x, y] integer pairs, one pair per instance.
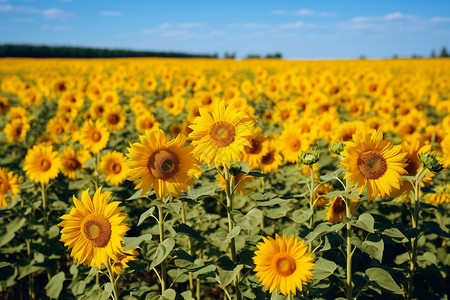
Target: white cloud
{"points": [[385, 22], [297, 25], [251, 25], [440, 19], [304, 12], [56, 28], [110, 13], [190, 25], [280, 12], [1, 1], [7, 7], [56, 14]]}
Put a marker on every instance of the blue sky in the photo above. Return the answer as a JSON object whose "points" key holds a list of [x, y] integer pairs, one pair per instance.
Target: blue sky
{"points": [[297, 29]]}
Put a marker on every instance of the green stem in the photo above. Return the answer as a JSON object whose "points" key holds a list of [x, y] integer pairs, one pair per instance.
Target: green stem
{"points": [[161, 239], [349, 247], [311, 205], [30, 277], [96, 172], [415, 225], [113, 282], [44, 206], [190, 246], [229, 193], [289, 296]]}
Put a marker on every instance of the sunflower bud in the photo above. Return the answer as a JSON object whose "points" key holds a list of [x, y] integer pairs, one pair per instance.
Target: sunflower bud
{"points": [[430, 162], [235, 169], [337, 148], [310, 157]]}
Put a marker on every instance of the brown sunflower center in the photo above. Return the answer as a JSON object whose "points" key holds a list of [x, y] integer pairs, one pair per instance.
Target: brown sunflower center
{"points": [[268, 158], [96, 136], [255, 148], [73, 164], [116, 168], [285, 265], [113, 119], [4, 186], [295, 144], [97, 229], [163, 164], [147, 124], [412, 167], [338, 206], [45, 165], [372, 164], [222, 133], [17, 131]]}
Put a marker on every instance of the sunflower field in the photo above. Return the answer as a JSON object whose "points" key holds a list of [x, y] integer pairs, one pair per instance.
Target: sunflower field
{"points": [[163, 179]]}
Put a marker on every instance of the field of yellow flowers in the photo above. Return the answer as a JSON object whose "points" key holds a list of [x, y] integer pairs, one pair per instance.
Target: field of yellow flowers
{"points": [[221, 179]]}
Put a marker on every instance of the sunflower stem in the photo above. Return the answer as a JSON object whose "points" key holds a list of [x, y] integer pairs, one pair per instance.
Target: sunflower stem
{"points": [[349, 247], [97, 162], [190, 245], [311, 204], [113, 282], [44, 205], [415, 225], [229, 179], [161, 240], [289, 296], [30, 277]]}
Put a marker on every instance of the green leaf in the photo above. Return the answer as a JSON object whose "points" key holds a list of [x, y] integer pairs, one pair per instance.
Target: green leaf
{"points": [[248, 221], [332, 175], [136, 195], [427, 190], [365, 222], [395, 233], [205, 271], [266, 199], [302, 215], [168, 294], [383, 279], [181, 254], [189, 231], [244, 166], [435, 228], [226, 277], [373, 246], [319, 230], [162, 252], [107, 291], [257, 174], [145, 215], [78, 288], [323, 268], [55, 285], [210, 190], [134, 242]]}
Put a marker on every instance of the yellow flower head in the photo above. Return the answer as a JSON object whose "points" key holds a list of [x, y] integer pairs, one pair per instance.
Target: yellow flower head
{"points": [[16, 130], [114, 167], [94, 136], [8, 182], [72, 161], [94, 229], [220, 136], [283, 264], [161, 164], [42, 163], [373, 162]]}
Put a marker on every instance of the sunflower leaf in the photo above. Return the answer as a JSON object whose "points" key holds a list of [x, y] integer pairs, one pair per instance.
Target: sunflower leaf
{"points": [[365, 222], [162, 252], [55, 285], [323, 268], [435, 228], [226, 277], [189, 231], [145, 215], [383, 279], [249, 221], [134, 242], [332, 175]]}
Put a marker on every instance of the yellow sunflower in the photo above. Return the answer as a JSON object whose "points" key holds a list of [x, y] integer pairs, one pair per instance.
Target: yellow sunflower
{"points": [[292, 142], [123, 260], [272, 159], [220, 136], [114, 117], [254, 153], [146, 121], [8, 182], [114, 167], [373, 162], [161, 164], [283, 264], [94, 229], [16, 130], [442, 195], [94, 136], [72, 161], [42, 163], [323, 189], [337, 209]]}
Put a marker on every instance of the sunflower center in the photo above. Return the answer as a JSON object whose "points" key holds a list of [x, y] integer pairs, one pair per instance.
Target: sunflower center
{"points": [[255, 147], [73, 164], [295, 145], [285, 265], [113, 119], [116, 168], [163, 164], [96, 136], [147, 124], [222, 133], [338, 206], [97, 229], [4, 186], [268, 158], [372, 164], [412, 167], [17, 131], [45, 165]]}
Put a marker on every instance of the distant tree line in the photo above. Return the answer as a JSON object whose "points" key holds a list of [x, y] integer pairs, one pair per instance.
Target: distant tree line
{"points": [[444, 53], [43, 51]]}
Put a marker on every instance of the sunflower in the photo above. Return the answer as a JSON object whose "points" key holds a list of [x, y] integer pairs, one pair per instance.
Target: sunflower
{"points": [[94, 136], [256, 151], [337, 209], [292, 142], [123, 260], [221, 136], [72, 161], [114, 118], [442, 195], [272, 159], [319, 199], [344, 132], [16, 130], [4, 104], [114, 167], [161, 164], [42, 163], [18, 112], [94, 229], [174, 104], [373, 162], [8, 182], [146, 121], [283, 264]]}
